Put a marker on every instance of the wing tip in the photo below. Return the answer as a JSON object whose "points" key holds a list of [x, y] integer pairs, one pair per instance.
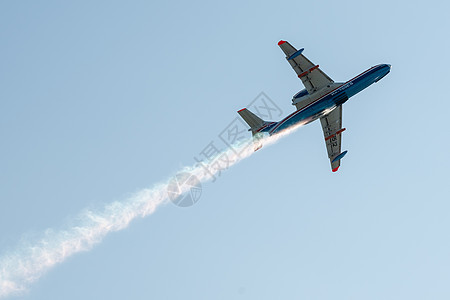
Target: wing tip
{"points": [[241, 109], [335, 169], [281, 42]]}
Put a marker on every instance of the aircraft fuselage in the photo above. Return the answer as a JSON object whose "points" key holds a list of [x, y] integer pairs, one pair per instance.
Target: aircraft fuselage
{"points": [[327, 102]]}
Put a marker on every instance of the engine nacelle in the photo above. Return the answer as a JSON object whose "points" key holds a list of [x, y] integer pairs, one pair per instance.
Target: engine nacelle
{"points": [[302, 98], [298, 97]]}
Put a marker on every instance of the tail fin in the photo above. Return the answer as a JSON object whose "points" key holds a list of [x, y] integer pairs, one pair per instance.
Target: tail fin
{"points": [[251, 119], [255, 123]]}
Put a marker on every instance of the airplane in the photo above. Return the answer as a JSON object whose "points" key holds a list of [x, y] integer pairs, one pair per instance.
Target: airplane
{"points": [[321, 99]]}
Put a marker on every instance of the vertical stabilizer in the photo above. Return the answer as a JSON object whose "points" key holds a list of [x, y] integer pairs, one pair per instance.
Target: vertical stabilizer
{"points": [[255, 123], [251, 119]]}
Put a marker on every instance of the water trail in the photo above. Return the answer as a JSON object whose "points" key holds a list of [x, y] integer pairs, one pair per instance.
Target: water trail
{"points": [[32, 259]]}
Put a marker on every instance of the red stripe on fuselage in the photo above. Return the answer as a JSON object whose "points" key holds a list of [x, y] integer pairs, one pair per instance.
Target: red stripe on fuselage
{"points": [[264, 126]]}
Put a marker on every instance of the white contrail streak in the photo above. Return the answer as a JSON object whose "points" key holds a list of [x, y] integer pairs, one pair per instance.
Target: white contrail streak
{"points": [[29, 262]]}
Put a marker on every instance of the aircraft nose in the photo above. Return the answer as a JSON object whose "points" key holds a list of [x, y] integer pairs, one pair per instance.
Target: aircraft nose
{"points": [[388, 65]]}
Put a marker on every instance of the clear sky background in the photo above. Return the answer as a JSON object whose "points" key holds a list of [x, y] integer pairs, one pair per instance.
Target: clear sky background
{"points": [[99, 99]]}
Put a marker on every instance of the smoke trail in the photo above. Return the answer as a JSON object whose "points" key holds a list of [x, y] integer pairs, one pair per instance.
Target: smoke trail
{"points": [[29, 262]]}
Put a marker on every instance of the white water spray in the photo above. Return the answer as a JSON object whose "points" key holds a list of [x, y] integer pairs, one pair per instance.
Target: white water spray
{"points": [[29, 262]]}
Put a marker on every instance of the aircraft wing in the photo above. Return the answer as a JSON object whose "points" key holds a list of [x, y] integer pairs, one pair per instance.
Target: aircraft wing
{"points": [[332, 129], [312, 77]]}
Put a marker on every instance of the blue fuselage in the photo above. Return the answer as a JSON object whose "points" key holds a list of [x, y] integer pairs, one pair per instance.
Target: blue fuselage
{"points": [[327, 102]]}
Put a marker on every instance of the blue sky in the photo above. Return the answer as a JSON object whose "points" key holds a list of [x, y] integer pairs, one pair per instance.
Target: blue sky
{"points": [[101, 99]]}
